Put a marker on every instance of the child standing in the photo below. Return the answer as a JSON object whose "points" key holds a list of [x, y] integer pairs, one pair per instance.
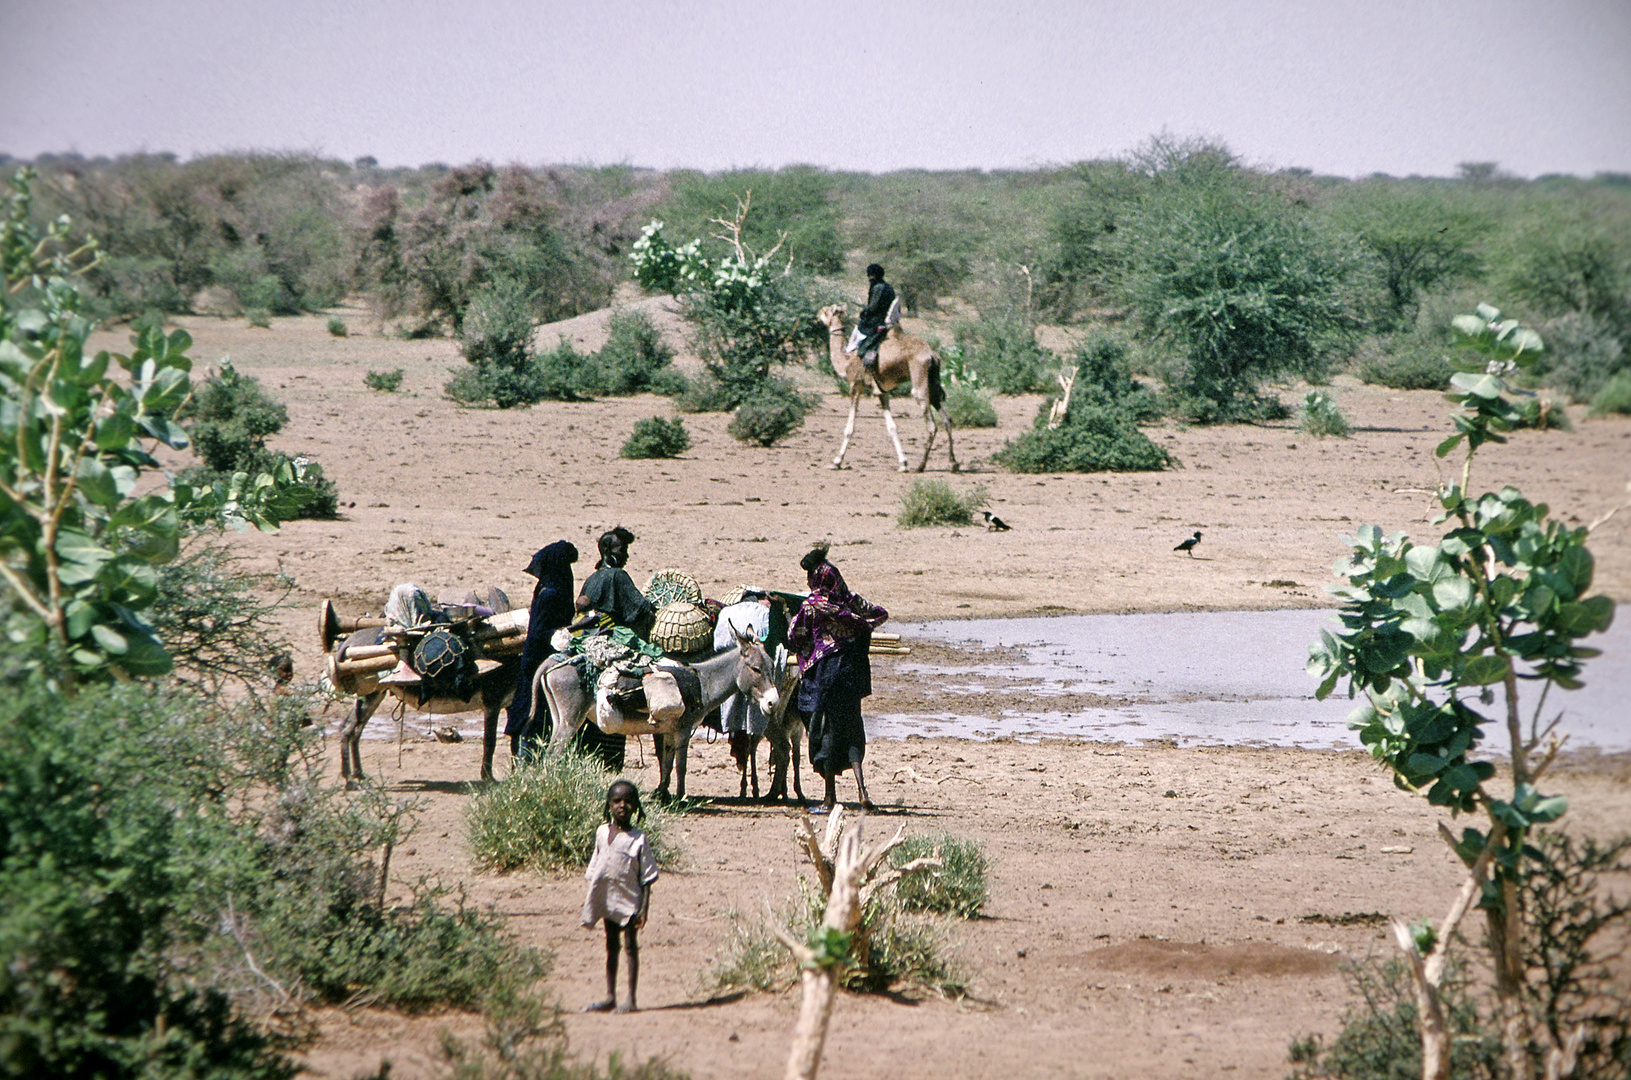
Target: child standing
{"points": [[620, 876]]}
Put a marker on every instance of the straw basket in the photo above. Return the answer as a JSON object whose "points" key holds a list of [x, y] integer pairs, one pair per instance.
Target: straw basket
{"points": [[682, 627]]}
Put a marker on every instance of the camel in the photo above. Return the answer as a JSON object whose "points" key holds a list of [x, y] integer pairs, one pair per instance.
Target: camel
{"points": [[901, 358], [494, 689], [746, 669]]}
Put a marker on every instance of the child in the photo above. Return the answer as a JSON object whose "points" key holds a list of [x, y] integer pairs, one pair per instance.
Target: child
{"points": [[620, 876]]}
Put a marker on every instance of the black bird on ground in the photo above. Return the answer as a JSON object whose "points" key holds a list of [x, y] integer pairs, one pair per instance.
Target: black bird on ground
{"points": [[993, 523], [1188, 546]]}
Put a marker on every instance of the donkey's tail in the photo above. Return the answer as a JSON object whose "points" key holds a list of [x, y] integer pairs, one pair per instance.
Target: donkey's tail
{"points": [[937, 393]]}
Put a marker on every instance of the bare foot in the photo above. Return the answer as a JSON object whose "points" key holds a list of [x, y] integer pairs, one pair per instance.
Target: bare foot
{"points": [[603, 1005], [628, 1007]]}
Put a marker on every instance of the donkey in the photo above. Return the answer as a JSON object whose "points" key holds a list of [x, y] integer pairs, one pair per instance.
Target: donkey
{"points": [[747, 670], [494, 689]]}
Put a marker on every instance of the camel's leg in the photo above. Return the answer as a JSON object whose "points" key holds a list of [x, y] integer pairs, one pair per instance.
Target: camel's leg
{"points": [[489, 736], [849, 429], [351, 737], [945, 418], [894, 432], [928, 441]]}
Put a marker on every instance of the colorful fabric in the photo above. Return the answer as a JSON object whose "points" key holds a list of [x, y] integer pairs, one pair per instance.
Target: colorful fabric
{"points": [[830, 617]]}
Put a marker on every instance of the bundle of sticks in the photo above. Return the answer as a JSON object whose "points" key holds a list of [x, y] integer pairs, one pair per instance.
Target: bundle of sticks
{"points": [[887, 645]]}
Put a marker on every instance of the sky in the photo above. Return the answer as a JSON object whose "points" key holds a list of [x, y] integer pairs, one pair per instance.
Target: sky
{"points": [[1351, 89]]}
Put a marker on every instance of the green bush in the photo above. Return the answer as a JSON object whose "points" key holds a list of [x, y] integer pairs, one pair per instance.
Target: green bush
{"points": [[768, 416], [934, 502], [703, 394], [1004, 354], [657, 438], [1104, 378], [970, 408], [543, 817], [958, 888], [260, 318], [1406, 366], [1238, 284], [388, 381], [498, 324], [1583, 353], [336, 326], [1093, 438], [229, 421], [1320, 417], [1614, 397], [558, 375], [634, 355]]}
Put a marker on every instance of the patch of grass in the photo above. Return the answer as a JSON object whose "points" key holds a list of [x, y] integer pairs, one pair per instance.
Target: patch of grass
{"points": [[970, 408], [900, 949], [259, 318], [957, 888], [1320, 417], [388, 381], [934, 502], [701, 394], [543, 817], [336, 326], [1614, 397]]}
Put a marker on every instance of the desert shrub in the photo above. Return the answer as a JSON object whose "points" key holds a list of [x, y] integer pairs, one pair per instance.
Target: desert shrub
{"points": [[1405, 365], [524, 1041], [216, 619], [260, 318], [388, 381], [1378, 1040], [543, 816], [1006, 356], [229, 420], [657, 438], [557, 375], [336, 326], [674, 383], [1320, 416], [934, 502], [769, 415], [498, 324], [1424, 236], [1104, 377], [703, 394], [633, 356], [1614, 397], [1093, 438], [1583, 352], [958, 888], [970, 408]]}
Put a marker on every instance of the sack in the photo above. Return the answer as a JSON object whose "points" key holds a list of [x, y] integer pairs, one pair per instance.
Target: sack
{"points": [[663, 700], [446, 665]]}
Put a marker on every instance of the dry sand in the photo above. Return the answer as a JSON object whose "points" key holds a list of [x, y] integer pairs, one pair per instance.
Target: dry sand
{"points": [[1155, 912]]}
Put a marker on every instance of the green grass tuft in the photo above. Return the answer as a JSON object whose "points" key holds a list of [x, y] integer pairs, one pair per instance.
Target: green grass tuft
{"points": [[934, 502], [388, 381], [657, 438], [1320, 417], [957, 888], [543, 817]]}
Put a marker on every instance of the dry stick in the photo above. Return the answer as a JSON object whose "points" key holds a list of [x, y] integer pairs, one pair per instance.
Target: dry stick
{"points": [[237, 935]]}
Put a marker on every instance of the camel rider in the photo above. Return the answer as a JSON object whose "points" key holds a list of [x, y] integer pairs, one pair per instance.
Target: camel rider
{"points": [[882, 312]]}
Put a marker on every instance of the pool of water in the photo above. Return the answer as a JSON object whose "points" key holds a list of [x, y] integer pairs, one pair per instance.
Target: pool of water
{"points": [[1199, 678]]}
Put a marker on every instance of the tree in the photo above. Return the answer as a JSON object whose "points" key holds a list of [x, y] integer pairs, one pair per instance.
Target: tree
{"points": [[1428, 631], [1422, 236], [1239, 284], [78, 544]]}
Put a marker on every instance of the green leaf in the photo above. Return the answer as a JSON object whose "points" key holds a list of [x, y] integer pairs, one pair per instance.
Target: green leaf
{"points": [[1478, 385], [96, 482], [1484, 670], [1447, 445], [110, 639], [1469, 325]]}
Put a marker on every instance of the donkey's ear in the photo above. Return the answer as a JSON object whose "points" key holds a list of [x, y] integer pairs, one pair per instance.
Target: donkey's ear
{"points": [[742, 640]]}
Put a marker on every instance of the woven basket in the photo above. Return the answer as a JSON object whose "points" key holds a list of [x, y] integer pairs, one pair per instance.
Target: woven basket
{"points": [[734, 594], [672, 586], [682, 627]]}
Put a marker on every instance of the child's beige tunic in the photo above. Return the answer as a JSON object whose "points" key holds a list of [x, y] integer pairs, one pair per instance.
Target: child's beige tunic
{"points": [[620, 869]]}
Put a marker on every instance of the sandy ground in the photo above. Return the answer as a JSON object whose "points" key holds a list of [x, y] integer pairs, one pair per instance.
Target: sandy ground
{"points": [[1156, 911]]}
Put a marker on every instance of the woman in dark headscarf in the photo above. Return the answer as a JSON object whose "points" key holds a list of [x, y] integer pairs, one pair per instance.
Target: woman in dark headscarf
{"points": [[551, 610], [831, 635]]}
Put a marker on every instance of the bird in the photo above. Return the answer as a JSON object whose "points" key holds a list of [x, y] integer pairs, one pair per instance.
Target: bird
{"points": [[993, 523], [1189, 545]]}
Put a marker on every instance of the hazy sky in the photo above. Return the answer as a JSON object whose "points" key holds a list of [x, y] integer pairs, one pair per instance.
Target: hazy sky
{"points": [[1355, 88]]}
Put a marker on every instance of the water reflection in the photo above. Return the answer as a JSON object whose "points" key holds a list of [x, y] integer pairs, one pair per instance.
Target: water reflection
{"points": [[1200, 678]]}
